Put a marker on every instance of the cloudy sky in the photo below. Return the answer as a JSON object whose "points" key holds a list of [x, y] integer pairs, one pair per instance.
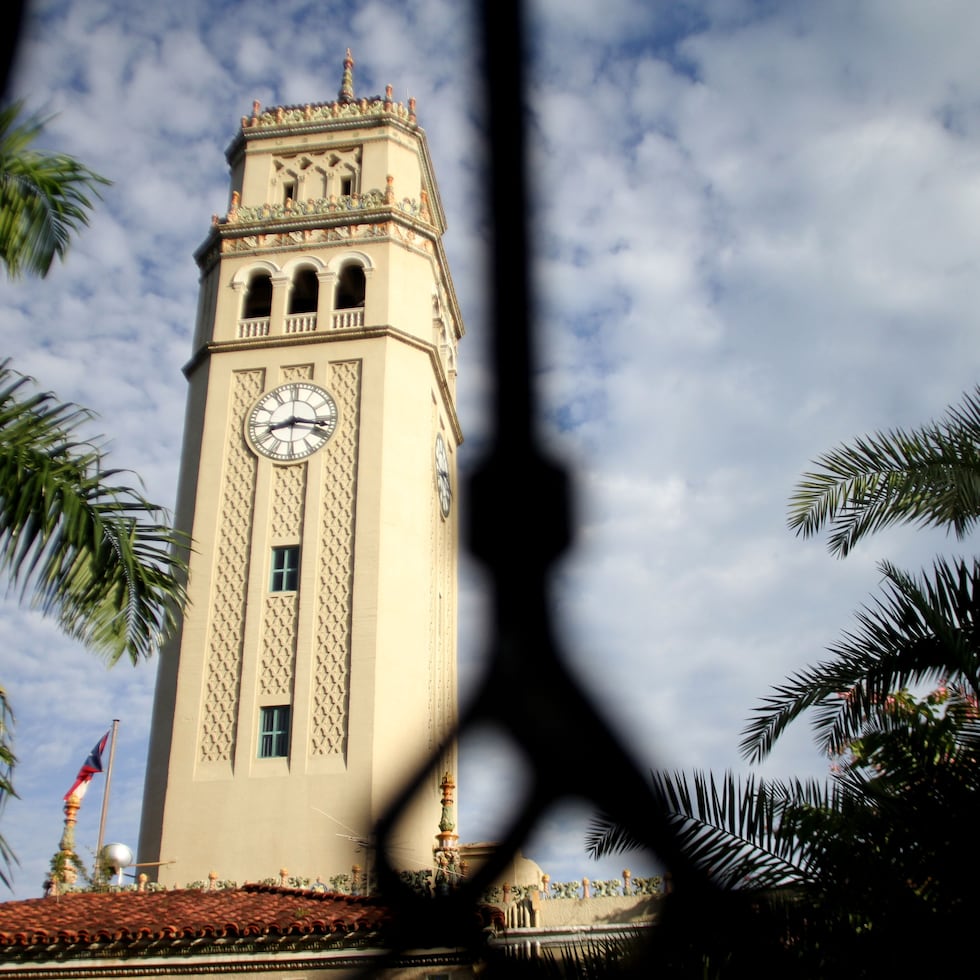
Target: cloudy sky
{"points": [[756, 230]]}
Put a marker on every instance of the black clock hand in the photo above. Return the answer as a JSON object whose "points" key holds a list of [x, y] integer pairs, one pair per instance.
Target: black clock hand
{"points": [[285, 423]]}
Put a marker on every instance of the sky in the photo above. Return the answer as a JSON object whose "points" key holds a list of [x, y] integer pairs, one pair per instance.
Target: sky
{"points": [[756, 235]]}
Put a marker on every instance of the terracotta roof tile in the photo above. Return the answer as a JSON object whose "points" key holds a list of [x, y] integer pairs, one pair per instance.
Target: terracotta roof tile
{"points": [[254, 910]]}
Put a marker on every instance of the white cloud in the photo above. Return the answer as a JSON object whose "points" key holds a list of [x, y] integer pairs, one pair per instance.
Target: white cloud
{"points": [[757, 235]]}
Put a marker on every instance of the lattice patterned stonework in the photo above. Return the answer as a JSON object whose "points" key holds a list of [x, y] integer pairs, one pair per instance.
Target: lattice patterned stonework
{"points": [[331, 667], [288, 498], [277, 666], [279, 646], [230, 576], [297, 372]]}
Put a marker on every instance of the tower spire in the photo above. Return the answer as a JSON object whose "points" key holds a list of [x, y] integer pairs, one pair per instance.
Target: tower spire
{"points": [[346, 93]]}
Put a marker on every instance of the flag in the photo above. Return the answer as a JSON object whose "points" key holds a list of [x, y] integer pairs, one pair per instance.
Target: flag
{"points": [[90, 767]]}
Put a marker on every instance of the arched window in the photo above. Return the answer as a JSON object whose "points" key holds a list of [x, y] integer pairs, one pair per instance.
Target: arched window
{"points": [[303, 297], [350, 287], [258, 298]]}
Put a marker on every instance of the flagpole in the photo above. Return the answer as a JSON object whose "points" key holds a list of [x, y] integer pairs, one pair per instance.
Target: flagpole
{"points": [[105, 802]]}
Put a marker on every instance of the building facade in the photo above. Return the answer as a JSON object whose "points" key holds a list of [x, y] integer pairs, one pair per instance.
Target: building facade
{"points": [[316, 662]]}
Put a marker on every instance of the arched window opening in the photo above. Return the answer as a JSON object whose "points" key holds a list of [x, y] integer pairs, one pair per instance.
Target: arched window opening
{"points": [[258, 299], [303, 297], [350, 287]]}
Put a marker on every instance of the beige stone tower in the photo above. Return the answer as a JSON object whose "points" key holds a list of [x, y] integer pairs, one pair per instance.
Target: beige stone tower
{"points": [[317, 658]]}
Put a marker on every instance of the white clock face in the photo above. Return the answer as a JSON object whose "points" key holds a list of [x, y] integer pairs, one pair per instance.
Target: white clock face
{"points": [[443, 483], [292, 421]]}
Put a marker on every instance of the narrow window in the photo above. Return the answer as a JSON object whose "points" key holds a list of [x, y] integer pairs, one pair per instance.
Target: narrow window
{"points": [[346, 186], [285, 569], [288, 191], [350, 287], [258, 299], [302, 299], [274, 732]]}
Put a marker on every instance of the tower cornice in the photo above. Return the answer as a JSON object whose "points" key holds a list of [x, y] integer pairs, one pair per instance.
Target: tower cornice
{"points": [[207, 351], [275, 221], [329, 118]]}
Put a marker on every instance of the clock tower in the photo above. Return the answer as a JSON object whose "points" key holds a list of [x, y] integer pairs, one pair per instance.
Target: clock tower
{"points": [[316, 661]]}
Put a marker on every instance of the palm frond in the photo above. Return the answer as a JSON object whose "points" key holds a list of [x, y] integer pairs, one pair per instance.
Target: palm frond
{"points": [[44, 197], [7, 762], [743, 831], [929, 476], [82, 546], [920, 631]]}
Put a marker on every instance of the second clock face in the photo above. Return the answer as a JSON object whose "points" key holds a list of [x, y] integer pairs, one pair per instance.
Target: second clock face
{"points": [[292, 421], [443, 483]]}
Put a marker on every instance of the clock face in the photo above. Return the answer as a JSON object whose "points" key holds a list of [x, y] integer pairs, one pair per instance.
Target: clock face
{"points": [[443, 483], [292, 421]]}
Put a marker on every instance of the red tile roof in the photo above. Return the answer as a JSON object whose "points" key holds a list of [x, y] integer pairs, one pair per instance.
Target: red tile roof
{"points": [[135, 917]]}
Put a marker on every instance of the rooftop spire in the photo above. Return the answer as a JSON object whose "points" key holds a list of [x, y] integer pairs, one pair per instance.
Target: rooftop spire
{"points": [[346, 93]]}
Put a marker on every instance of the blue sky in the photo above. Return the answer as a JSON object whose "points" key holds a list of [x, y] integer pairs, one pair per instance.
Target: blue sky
{"points": [[756, 232]]}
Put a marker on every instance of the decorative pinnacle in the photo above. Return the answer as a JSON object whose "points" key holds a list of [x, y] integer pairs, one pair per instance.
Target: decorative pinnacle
{"points": [[346, 93], [448, 822]]}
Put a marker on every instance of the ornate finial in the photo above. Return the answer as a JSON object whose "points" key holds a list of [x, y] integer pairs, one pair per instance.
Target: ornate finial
{"points": [[447, 823], [346, 93], [390, 199], [141, 881], [446, 852], [411, 110], [389, 99], [66, 864]]}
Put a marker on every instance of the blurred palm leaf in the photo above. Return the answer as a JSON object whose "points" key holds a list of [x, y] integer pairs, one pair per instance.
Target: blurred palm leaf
{"points": [[929, 476], [81, 545], [744, 832], [921, 631], [44, 197], [7, 762]]}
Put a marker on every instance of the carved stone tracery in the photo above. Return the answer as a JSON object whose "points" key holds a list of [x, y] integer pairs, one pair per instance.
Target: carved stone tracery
{"points": [[332, 649], [230, 574]]}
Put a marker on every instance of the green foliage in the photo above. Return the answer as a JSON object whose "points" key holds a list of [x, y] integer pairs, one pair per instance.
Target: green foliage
{"points": [[928, 476], [7, 762], [920, 632], [44, 197], [867, 873], [595, 958], [78, 543], [83, 547]]}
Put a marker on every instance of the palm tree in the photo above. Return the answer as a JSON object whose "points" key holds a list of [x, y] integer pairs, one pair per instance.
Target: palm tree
{"points": [[929, 476], [82, 544], [44, 197], [856, 868], [78, 542]]}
